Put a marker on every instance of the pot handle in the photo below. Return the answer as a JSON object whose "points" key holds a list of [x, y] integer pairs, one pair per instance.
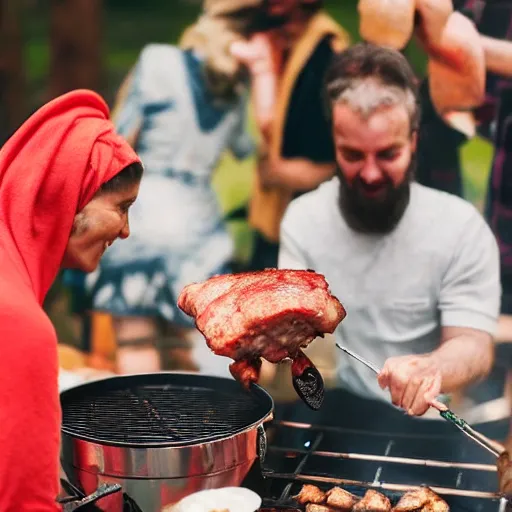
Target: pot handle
{"points": [[262, 444], [79, 500]]}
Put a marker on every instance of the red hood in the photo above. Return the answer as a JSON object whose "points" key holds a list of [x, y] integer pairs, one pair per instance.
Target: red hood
{"points": [[49, 170]]}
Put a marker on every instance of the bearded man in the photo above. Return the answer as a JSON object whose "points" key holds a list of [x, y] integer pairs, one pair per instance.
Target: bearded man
{"points": [[417, 269]]}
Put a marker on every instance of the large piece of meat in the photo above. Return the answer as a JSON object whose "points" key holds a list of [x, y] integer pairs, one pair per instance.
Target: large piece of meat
{"points": [[270, 314]]}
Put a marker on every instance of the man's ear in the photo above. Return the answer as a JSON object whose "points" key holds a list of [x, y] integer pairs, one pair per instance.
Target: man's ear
{"points": [[414, 140]]}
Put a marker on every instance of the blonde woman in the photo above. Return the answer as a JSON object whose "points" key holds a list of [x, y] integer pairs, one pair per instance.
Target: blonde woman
{"points": [[180, 107]]}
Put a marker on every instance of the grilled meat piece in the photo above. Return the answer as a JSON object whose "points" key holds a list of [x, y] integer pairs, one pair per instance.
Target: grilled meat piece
{"points": [[423, 499], [310, 494], [270, 314], [412, 501], [340, 499], [311, 507], [436, 505], [505, 473], [373, 501]]}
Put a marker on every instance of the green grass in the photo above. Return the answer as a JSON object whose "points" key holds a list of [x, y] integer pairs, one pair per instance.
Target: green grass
{"points": [[476, 158]]}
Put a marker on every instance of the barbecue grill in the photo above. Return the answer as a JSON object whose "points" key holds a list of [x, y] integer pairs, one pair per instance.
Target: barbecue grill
{"points": [[163, 436], [158, 438]]}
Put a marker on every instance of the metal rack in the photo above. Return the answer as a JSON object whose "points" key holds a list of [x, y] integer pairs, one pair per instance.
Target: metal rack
{"points": [[357, 460]]}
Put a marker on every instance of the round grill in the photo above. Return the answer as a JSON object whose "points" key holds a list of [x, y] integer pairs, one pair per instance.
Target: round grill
{"points": [[164, 409]]}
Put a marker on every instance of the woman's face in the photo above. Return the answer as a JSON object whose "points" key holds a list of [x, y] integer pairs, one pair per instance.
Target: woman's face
{"points": [[97, 226]]}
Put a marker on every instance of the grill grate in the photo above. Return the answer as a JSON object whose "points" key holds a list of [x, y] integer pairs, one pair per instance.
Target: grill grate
{"points": [[303, 453], [161, 410]]}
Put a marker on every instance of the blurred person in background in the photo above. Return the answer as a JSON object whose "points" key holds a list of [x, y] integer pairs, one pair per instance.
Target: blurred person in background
{"points": [[67, 182], [439, 166], [296, 151], [439, 163], [180, 107]]}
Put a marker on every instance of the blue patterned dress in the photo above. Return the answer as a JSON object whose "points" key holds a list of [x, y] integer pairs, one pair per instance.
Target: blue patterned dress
{"points": [[178, 234]]}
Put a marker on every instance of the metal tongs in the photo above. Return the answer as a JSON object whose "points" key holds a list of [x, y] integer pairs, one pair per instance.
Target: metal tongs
{"points": [[491, 446]]}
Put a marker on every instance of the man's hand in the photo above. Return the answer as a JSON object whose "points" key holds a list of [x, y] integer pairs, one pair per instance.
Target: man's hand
{"points": [[256, 53], [413, 382]]}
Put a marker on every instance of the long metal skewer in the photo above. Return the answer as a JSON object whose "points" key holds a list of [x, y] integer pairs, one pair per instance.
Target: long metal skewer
{"points": [[491, 446]]}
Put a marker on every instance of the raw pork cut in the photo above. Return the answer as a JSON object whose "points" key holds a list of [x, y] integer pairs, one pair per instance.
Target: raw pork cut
{"points": [[270, 314]]}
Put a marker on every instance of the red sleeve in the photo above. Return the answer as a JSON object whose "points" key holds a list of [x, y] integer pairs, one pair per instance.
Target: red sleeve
{"points": [[29, 410]]}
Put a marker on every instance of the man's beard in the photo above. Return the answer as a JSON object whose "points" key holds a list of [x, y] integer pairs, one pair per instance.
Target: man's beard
{"points": [[374, 216]]}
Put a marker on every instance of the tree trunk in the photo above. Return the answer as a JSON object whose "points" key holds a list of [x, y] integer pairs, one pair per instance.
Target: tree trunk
{"points": [[12, 79], [75, 43]]}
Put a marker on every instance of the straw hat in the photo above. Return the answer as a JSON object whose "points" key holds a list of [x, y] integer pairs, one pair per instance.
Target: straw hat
{"points": [[212, 35]]}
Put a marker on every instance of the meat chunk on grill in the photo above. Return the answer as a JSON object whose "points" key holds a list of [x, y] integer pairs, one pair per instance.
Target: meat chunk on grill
{"points": [[312, 507], [310, 494], [373, 501], [412, 501], [340, 499], [270, 314], [424, 500], [505, 474]]}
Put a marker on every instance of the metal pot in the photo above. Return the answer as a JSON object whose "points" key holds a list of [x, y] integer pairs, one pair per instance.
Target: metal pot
{"points": [[165, 456]]}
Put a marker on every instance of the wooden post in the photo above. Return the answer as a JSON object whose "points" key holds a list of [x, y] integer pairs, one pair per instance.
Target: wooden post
{"points": [[75, 45], [12, 79]]}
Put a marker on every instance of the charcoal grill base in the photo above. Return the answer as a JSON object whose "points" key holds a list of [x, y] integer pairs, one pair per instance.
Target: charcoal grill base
{"points": [[150, 495]]}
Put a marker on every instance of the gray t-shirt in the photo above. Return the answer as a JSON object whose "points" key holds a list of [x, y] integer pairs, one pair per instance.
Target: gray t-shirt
{"points": [[439, 267]]}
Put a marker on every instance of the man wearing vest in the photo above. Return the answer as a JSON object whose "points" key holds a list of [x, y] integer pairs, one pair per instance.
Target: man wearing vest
{"points": [[296, 152]]}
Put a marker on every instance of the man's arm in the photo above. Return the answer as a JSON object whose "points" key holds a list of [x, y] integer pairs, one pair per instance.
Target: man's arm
{"points": [[498, 55], [294, 173], [469, 302], [414, 381], [465, 356]]}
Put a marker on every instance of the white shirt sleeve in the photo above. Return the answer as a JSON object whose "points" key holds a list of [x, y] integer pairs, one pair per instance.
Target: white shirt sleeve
{"points": [[471, 289]]}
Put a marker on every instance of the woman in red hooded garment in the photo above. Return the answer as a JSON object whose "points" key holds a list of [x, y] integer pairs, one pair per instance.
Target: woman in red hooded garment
{"points": [[67, 181]]}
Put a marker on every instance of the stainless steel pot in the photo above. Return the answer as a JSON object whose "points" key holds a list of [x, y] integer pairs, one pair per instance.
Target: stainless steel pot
{"points": [[155, 475]]}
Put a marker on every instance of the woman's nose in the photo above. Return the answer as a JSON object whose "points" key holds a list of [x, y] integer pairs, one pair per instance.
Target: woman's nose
{"points": [[125, 232]]}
